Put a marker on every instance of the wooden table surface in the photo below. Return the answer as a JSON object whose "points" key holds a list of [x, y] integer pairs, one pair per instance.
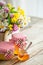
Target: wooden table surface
{"points": [[34, 34]]}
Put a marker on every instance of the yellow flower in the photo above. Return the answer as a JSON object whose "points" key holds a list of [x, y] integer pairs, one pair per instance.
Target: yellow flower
{"points": [[16, 15], [21, 11], [19, 8], [19, 25], [9, 5], [10, 27], [13, 20]]}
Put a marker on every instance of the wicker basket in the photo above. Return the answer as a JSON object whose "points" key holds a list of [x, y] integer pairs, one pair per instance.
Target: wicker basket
{"points": [[2, 36]]}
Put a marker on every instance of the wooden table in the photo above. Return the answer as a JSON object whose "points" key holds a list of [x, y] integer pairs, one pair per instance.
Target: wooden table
{"points": [[34, 34]]}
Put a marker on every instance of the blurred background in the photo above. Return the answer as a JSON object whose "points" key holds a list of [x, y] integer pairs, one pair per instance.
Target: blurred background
{"points": [[32, 7]]}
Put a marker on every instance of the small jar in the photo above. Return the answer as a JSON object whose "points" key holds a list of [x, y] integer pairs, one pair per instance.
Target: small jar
{"points": [[6, 51]]}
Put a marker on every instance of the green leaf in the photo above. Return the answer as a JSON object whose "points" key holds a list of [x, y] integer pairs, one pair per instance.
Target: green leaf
{"points": [[13, 11], [0, 7], [9, 20]]}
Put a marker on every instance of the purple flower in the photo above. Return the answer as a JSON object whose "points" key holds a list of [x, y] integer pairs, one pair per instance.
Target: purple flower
{"points": [[15, 27], [2, 3], [6, 10], [11, 15]]}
